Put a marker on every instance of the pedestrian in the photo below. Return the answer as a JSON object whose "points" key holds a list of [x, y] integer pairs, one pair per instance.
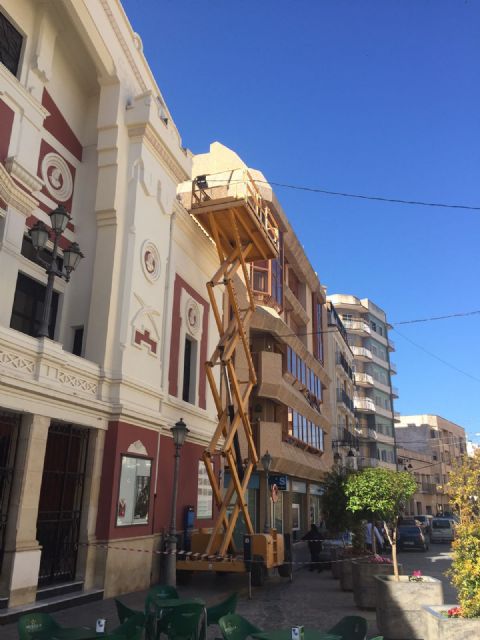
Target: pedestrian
{"points": [[369, 528], [314, 539]]}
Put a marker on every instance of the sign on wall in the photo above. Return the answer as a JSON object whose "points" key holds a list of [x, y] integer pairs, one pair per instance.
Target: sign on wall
{"points": [[204, 493]]}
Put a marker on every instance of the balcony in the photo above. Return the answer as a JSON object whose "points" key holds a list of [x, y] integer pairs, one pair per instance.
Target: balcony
{"points": [[363, 380], [343, 363], [391, 345], [345, 302], [393, 367], [365, 405], [395, 392], [396, 416], [367, 463], [362, 354], [344, 398], [359, 327], [427, 487]]}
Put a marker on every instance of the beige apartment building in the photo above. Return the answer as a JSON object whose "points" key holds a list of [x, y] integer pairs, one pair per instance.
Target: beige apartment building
{"points": [[367, 330], [288, 409], [442, 443], [340, 394]]}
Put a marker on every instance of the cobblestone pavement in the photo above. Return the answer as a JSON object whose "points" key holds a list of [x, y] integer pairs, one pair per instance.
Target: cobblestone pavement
{"points": [[313, 599]]}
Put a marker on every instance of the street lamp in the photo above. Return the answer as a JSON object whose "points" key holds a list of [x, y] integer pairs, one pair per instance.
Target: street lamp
{"points": [[266, 461], [72, 255], [179, 433]]}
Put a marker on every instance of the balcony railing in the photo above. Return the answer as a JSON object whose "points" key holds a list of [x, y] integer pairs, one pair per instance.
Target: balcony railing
{"points": [[391, 345], [364, 379], [364, 404], [396, 416], [342, 361], [395, 392], [393, 367], [342, 396], [366, 463], [359, 326], [361, 353]]}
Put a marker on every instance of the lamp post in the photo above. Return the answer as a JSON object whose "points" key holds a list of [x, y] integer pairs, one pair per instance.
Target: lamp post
{"points": [[179, 433], [266, 461], [72, 255]]}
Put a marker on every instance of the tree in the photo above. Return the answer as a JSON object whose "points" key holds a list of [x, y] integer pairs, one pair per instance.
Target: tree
{"points": [[464, 490], [382, 494], [334, 502]]}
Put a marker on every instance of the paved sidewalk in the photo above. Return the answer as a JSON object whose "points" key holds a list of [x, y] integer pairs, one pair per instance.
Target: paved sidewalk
{"points": [[313, 599]]}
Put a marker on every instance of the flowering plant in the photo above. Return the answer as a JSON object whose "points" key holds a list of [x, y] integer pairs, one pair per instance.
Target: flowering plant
{"points": [[416, 576], [455, 612], [376, 559]]}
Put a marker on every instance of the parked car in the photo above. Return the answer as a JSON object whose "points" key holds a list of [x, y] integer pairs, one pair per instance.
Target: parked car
{"points": [[412, 537], [443, 530], [426, 522]]}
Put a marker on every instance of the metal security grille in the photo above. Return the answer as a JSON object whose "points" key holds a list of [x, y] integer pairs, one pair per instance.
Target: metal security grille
{"points": [[59, 513], [9, 426]]}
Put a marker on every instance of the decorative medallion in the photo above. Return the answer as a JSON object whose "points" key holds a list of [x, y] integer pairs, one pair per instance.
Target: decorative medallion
{"points": [[192, 313], [57, 177], [150, 261]]}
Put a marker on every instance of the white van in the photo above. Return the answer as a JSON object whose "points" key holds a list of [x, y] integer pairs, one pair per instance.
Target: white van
{"points": [[443, 530]]}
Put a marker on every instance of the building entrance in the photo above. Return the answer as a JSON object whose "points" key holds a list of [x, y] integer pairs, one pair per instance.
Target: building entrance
{"points": [[58, 524], [9, 426]]}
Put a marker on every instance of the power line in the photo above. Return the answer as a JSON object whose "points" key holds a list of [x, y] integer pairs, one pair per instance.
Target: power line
{"points": [[433, 355], [451, 315], [345, 194]]}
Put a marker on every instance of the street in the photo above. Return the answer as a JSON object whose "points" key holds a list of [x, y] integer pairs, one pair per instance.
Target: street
{"points": [[313, 600]]}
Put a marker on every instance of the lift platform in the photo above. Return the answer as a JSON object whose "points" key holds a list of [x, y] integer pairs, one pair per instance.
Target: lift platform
{"points": [[231, 209]]}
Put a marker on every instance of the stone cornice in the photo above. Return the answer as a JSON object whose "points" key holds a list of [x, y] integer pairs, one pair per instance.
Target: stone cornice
{"points": [[14, 195], [147, 132], [15, 169]]}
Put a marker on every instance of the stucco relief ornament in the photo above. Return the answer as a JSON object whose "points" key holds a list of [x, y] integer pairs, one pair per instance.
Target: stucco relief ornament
{"points": [[150, 261], [192, 313], [57, 177]]}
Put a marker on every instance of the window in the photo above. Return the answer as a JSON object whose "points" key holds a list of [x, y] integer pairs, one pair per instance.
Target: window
{"points": [[28, 307], [134, 493], [189, 370], [317, 328], [77, 348], [260, 276], [10, 45], [204, 493]]}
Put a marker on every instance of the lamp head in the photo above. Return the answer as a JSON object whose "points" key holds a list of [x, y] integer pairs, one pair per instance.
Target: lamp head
{"points": [[59, 218], [266, 461], [71, 257], [39, 235], [179, 432]]}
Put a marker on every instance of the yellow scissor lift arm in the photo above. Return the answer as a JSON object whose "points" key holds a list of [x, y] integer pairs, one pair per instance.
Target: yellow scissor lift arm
{"points": [[233, 213]]}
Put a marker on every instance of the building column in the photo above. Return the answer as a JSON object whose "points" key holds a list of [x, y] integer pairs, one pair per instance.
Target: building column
{"points": [[22, 552], [91, 559]]}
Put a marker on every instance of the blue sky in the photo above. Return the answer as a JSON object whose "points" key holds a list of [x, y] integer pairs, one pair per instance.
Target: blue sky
{"points": [[374, 97]]}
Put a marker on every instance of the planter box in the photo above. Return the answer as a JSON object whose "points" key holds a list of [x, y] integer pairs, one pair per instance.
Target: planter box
{"points": [[364, 585], [346, 579], [399, 605], [336, 553], [439, 627]]}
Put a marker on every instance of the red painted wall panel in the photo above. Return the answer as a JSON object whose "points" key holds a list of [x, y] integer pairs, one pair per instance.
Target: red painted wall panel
{"points": [[57, 125]]}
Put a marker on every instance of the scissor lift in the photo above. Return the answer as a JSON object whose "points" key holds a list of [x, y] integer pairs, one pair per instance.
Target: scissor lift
{"points": [[232, 211]]}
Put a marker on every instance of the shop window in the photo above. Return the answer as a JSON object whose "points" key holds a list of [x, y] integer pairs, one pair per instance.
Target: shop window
{"points": [[28, 305], [134, 493], [296, 520], [189, 370], [204, 493], [11, 42]]}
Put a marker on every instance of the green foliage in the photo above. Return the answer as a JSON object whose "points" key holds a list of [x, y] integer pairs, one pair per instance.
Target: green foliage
{"points": [[334, 502], [380, 493], [464, 490]]}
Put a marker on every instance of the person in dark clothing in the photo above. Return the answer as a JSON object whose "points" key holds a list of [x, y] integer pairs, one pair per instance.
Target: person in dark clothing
{"points": [[314, 539]]}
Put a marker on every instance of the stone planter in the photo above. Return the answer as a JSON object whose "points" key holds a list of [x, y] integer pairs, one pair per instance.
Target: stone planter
{"points": [[336, 554], [345, 570], [399, 605], [439, 627], [364, 585]]}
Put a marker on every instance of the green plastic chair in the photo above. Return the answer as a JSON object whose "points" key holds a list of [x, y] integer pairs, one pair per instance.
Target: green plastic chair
{"points": [[350, 628], [131, 629], [236, 627], [377, 638], [163, 591], [34, 623], [221, 609], [184, 622], [124, 612]]}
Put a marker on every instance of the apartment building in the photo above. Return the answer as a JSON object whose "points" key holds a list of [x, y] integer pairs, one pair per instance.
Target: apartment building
{"points": [[86, 452], [367, 330], [426, 498], [340, 394], [287, 409], [443, 443]]}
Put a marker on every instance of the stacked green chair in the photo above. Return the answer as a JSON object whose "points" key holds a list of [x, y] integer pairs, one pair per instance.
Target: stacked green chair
{"points": [[184, 622], [350, 628], [124, 612], [235, 627], [35, 623], [132, 629], [160, 592], [221, 609]]}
